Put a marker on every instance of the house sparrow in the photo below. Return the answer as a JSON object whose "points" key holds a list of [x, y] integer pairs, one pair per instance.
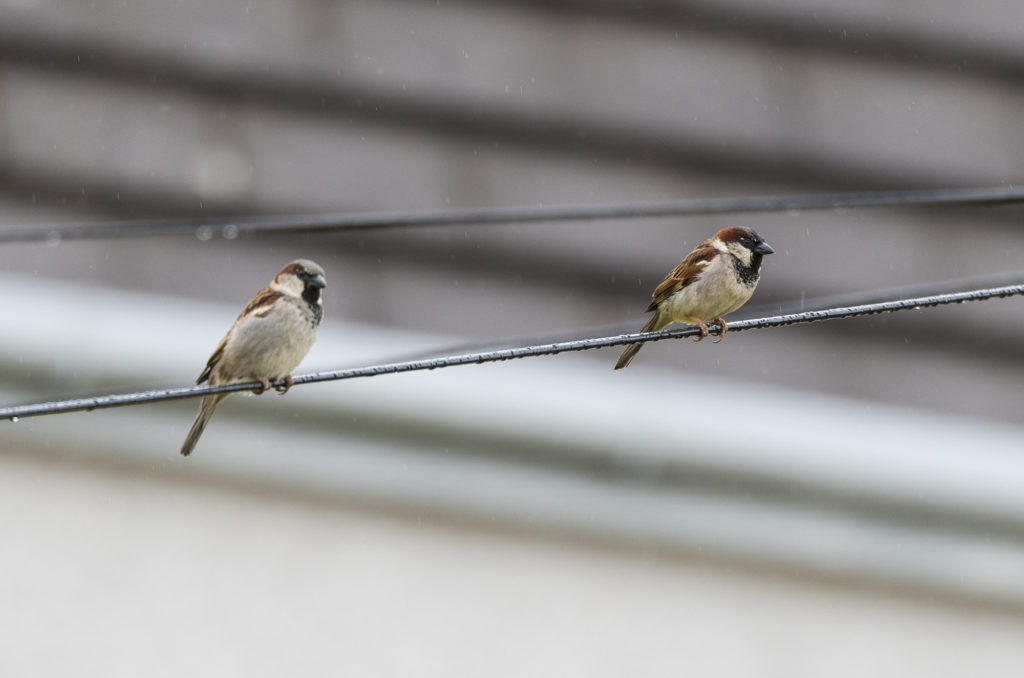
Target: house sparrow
{"points": [[267, 341], [715, 279]]}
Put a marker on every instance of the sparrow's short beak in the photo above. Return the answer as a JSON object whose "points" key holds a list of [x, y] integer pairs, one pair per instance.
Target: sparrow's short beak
{"points": [[764, 248], [318, 281]]}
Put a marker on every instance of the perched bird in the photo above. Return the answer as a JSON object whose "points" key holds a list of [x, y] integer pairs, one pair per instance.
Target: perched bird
{"points": [[267, 341], [715, 279]]}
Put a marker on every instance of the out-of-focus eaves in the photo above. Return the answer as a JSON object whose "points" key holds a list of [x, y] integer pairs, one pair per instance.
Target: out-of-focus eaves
{"points": [[800, 482], [823, 32], [302, 91]]}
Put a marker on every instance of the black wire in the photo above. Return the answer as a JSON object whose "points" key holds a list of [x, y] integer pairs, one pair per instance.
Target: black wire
{"points": [[13, 413], [748, 311], [230, 228]]}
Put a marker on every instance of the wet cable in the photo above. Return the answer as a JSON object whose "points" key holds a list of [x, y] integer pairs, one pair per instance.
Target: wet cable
{"points": [[13, 413], [750, 310]]}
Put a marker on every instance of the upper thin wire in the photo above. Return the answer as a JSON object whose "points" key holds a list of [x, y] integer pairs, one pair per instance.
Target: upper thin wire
{"points": [[230, 228], [13, 413]]}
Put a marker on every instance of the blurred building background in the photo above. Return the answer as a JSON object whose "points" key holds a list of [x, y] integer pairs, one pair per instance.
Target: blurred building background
{"points": [[840, 499]]}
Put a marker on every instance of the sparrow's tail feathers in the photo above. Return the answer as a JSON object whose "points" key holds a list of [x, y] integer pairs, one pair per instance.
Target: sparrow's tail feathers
{"points": [[653, 325], [206, 407]]}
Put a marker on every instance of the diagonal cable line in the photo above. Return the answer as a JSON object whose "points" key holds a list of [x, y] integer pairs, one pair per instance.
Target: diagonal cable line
{"points": [[13, 413], [230, 227], [750, 310]]}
